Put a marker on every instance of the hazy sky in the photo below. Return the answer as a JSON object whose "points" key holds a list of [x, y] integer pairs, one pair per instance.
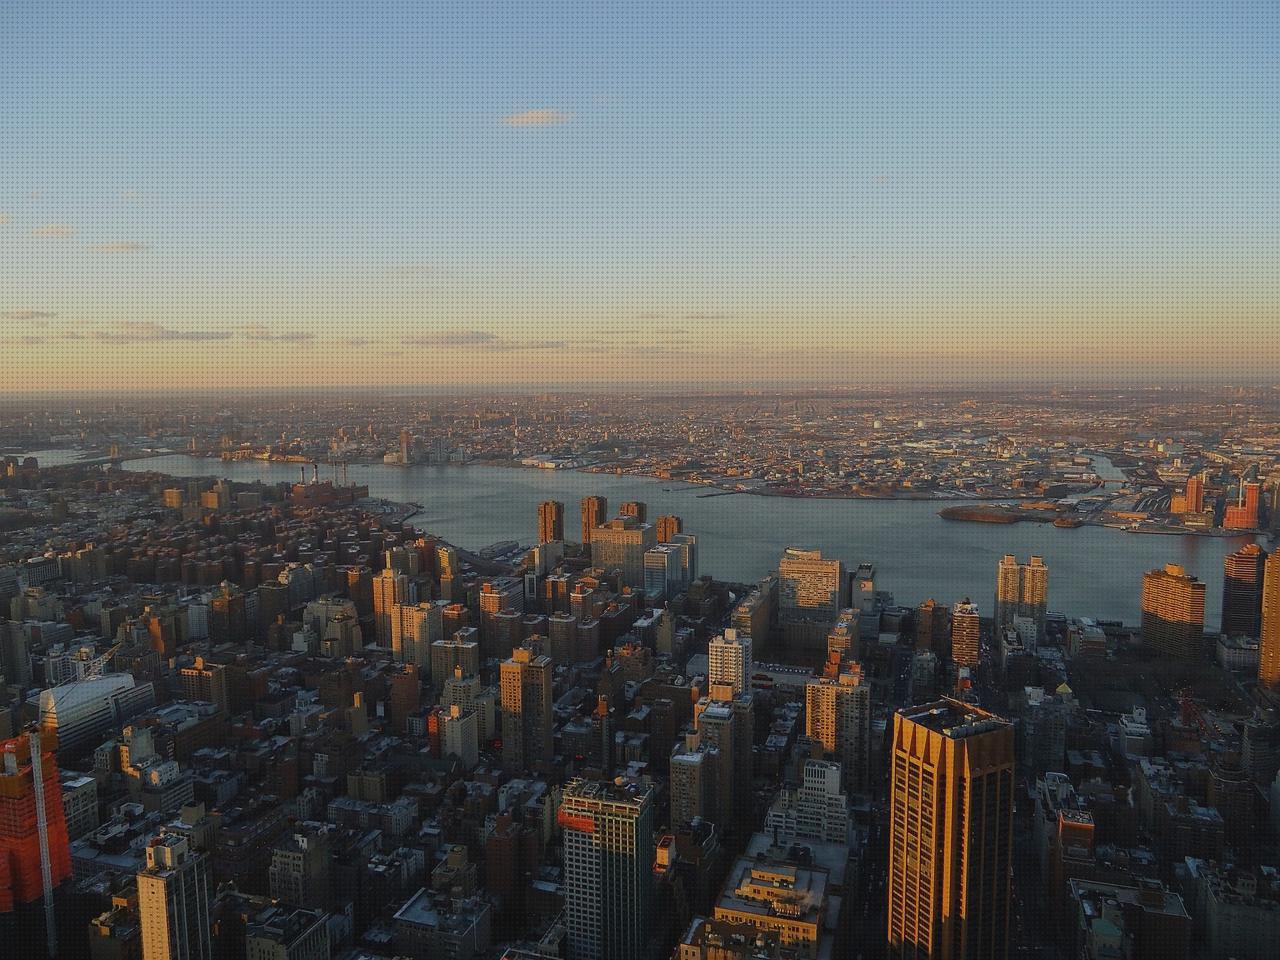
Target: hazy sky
{"points": [[331, 193]]}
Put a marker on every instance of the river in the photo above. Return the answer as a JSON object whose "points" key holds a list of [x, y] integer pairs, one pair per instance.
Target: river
{"points": [[1093, 571]]}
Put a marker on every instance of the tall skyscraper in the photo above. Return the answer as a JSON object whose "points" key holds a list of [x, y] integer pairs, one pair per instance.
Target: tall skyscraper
{"points": [[809, 587], [1269, 648], [1244, 514], [595, 510], [1242, 574], [634, 508], [966, 634], [669, 525], [838, 716], [526, 708], [663, 572], [729, 661], [950, 833], [608, 869], [550, 521], [1022, 590], [1195, 493], [933, 627], [173, 901], [1173, 612], [414, 628], [389, 588]]}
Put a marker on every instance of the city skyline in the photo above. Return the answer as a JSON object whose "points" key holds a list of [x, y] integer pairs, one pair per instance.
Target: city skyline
{"points": [[739, 194]]}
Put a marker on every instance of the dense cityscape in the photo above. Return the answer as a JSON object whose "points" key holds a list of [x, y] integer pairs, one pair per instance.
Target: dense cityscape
{"points": [[282, 720]]}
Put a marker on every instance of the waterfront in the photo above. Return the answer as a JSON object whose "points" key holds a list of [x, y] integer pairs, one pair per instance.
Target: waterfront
{"points": [[1095, 571]]}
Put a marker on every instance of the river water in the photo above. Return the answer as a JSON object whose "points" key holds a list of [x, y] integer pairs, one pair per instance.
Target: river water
{"points": [[1093, 571]]}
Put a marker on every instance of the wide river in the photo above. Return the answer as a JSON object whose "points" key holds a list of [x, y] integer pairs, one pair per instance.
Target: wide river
{"points": [[1093, 571]]}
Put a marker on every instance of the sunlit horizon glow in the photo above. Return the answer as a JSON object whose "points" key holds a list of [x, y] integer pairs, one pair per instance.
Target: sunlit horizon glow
{"points": [[327, 195]]}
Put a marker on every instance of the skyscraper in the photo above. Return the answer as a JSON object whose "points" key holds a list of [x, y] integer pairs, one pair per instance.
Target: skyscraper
{"points": [[173, 901], [838, 716], [950, 834], [621, 544], [933, 627], [634, 508], [1195, 493], [1269, 648], [414, 628], [1242, 591], [608, 869], [526, 708], [389, 588], [966, 634], [1022, 590], [1244, 513], [550, 521], [729, 661], [1173, 612], [595, 511], [669, 525], [809, 587]]}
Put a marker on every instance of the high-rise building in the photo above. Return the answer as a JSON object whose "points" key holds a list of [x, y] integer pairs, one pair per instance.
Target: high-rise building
{"points": [[693, 770], [550, 521], [634, 508], [414, 628], [1245, 513], [838, 716], [621, 544], [460, 735], [950, 833], [498, 596], [687, 544], [815, 810], [727, 722], [595, 511], [1195, 493], [1269, 647], [608, 869], [668, 526], [526, 708], [729, 661], [966, 634], [1022, 590], [1242, 574], [663, 576], [1173, 612], [173, 901], [933, 628], [456, 651], [809, 587], [389, 589]]}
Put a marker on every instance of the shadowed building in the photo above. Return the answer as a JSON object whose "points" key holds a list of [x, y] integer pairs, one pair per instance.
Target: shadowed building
{"points": [[1173, 612]]}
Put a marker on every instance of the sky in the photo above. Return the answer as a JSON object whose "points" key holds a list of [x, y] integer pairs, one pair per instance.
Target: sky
{"points": [[324, 194]]}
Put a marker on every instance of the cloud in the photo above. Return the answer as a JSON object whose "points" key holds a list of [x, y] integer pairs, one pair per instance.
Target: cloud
{"points": [[262, 334], [4, 219], [539, 117], [127, 331], [26, 316], [708, 316], [54, 231], [479, 340], [407, 270], [357, 343], [120, 246]]}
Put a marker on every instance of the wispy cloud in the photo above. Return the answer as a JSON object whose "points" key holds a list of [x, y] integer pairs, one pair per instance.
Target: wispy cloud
{"points": [[538, 117], [708, 316], [54, 231], [406, 271], [357, 342], [479, 340], [263, 334], [127, 331], [26, 316], [120, 246]]}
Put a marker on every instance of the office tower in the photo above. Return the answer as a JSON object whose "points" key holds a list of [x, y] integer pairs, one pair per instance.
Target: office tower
{"points": [[35, 851], [634, 508], [456, 651], [668, 526], [1173, 612], [1021, 591], [727, 723], [498, 596], [663, 576], [838, 716], [608, 869], [1008, 592], [621, 544], [1269, 647], [414, 628], [809, 587], [460, 735], [550, 521], [729, 661], [693, 770], [951, 825], [1244, 513], [594, 512], [815, 810], [389, 589], [933, 627], [526, 709], [1242, 591], [1195, 493], [687, 544], [173, 901], [966, 633]]}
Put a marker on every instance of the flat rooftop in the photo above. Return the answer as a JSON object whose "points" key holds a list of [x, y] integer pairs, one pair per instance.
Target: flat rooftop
{"points": [[954, 719]]}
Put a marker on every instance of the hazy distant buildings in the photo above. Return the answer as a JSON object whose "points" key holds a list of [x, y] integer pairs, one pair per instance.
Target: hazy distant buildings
{"points": [[950, 833], [1173, 612]]}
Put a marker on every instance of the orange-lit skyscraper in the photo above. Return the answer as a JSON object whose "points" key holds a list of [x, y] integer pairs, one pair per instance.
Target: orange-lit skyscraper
{"points": [[1195, 493], [1242, 591], [1269, 649], [1244, 513], [951, 826], [966, 634], [634, 508], [594, 512], [1173, 612], [550, 521], [668, 526]]}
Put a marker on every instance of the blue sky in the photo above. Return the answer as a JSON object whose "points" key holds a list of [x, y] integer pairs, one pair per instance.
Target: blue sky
{"points": [[804, 180]]}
